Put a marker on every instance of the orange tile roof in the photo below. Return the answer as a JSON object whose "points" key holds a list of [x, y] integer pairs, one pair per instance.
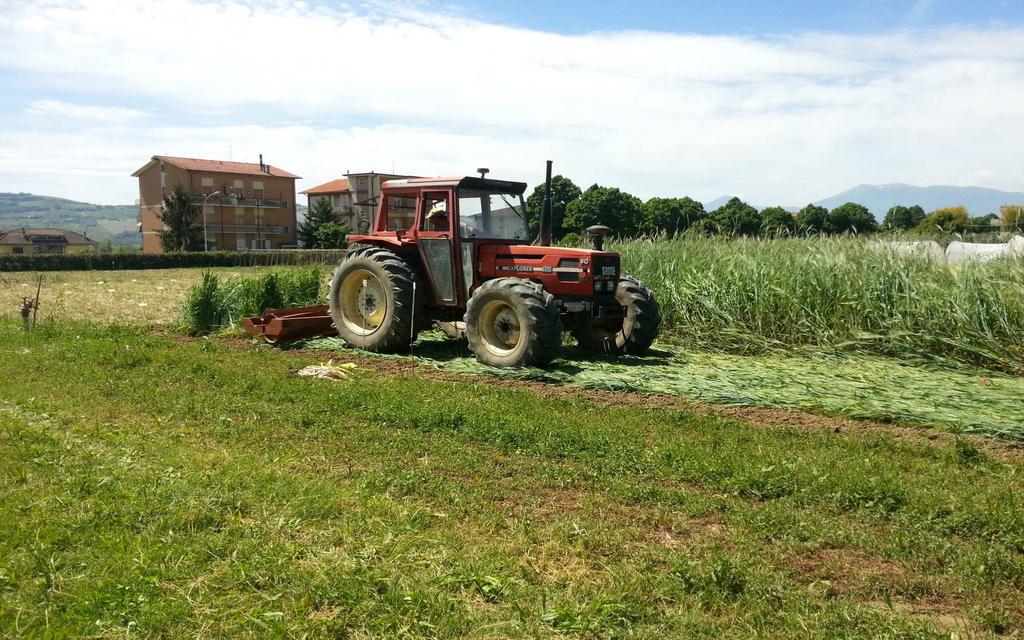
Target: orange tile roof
{"points": [[334, 186], [222, 166], [43, 236]]}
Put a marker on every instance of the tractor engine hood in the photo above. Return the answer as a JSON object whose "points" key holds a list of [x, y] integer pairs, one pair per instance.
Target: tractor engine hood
{"points": [[562, 271]]}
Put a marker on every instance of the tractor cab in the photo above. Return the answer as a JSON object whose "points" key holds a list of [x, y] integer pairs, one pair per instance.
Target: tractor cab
{"points": [[458, 251]]}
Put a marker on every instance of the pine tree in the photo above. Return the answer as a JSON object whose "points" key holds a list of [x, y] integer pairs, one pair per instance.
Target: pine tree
{"points": [[319, 214], [184, 230]]}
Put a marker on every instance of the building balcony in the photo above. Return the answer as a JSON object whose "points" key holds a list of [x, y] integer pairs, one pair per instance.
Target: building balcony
{"points": [[213, 227], [239, 201]]}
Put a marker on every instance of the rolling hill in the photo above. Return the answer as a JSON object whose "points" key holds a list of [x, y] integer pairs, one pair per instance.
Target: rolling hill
{"points": [[99, 222]]}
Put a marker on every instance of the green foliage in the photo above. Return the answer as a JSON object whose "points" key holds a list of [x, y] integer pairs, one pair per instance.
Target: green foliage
{"points": [[900, 218], [812, 220], [945, 220], [184, 230], [758, 294], [572, 239], [320, 214], [736, 218], [719, 579], [672, 216], [380, 507], [563, 191], [777, 222], [1012, 216], [118, 261], [851, 218], [331, 235], [202, 311], [216, 304], [618, 210]]}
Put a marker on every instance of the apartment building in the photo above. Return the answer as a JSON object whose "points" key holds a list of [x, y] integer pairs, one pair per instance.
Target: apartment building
{"points": [[244, 206], [353, 198]]}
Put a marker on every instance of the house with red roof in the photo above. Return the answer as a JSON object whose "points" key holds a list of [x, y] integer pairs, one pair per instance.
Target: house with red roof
{"points": [[243, 206]]}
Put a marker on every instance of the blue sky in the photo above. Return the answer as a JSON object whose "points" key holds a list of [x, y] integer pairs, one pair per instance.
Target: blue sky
{"points": [[783, 102], [724, 17]]}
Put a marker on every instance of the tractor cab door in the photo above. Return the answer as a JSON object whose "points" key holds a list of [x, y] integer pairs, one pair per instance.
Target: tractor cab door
{"points": [[434, 240]]}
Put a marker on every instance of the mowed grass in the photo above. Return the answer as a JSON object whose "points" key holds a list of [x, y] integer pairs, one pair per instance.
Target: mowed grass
{"points": [[958, 399], [146, 297], [157, 487]]}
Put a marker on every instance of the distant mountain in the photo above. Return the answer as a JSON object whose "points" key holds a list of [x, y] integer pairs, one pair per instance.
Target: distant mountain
{"points": [[98, 221], [880, 198]]}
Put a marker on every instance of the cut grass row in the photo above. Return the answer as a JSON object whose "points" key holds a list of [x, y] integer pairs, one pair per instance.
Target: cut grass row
{"points": [[864, 386], [158, 487]]}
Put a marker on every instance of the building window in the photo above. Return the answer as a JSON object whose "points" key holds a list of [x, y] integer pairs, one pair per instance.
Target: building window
{"points": [[18, 250], [237, 188], [257, 190], [207, 186], [239, 215]]}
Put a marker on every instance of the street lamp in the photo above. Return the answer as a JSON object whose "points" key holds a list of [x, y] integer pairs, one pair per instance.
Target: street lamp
{"points": [[206, 241]]}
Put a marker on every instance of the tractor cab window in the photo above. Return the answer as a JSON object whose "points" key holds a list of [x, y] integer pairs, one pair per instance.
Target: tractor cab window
{"points": [[399, 213], [435, 214], [484, 214]]}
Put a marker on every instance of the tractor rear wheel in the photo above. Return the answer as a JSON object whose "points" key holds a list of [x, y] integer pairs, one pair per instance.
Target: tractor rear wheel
{"points": [[511, 322], [632, 334], [372, 300]]}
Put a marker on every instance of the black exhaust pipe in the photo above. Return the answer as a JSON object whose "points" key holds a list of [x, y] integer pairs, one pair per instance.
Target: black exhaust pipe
{"points": [[544, 239]]}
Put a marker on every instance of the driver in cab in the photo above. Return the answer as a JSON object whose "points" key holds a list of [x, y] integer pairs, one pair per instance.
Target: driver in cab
{"points": [[437, 217]]}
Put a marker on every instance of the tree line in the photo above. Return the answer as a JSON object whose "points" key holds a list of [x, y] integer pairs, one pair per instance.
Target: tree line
{"points": [[574, 209]]}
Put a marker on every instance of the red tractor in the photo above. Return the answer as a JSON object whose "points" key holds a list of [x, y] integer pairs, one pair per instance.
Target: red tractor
{"points": [[457, 251]]}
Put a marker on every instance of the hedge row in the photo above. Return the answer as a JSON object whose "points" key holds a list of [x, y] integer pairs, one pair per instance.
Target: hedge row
{"points": [[117, 261]]}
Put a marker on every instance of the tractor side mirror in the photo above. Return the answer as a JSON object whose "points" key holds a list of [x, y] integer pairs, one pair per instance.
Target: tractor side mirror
{"points": [[596, 234]]}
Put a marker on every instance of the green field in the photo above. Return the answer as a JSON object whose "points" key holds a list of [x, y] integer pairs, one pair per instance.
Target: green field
{"points": [[794, 459], [158, 487]]}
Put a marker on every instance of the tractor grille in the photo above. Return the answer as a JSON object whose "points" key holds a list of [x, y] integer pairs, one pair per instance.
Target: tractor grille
{"points": [[605, 267]]}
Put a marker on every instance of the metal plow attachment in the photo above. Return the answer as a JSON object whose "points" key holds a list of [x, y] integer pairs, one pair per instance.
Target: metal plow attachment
{"points": [[285, 325]]}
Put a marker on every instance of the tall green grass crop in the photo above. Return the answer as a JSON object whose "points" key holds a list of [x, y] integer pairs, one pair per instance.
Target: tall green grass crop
{"points": [[217, 303], [754, 295]]}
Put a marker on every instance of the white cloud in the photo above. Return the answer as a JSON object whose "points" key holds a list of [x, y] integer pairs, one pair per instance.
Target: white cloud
{"points": [[58, 109], [784, 120]]}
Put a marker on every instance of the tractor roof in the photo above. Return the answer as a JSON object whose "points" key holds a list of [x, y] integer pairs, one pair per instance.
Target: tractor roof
{"points": [[471, 182]]}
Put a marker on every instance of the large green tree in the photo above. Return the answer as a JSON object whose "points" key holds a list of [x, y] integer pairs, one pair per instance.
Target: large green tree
{"points": [[737, 218], [851, 218], [331, 235], [319, 214], [672, 216], [946, 220], [776, 221], [184, 228], [620, 211], [900, 218], [563, 191], [812, 219]]}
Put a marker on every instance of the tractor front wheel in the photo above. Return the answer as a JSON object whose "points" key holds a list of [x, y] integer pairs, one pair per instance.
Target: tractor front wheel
{"points": [[511, 322], [633, 334], [373, 301]]}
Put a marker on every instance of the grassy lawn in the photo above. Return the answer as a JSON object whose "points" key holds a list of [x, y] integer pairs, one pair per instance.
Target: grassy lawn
{"points": [[145, 297], [156, 487]]}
